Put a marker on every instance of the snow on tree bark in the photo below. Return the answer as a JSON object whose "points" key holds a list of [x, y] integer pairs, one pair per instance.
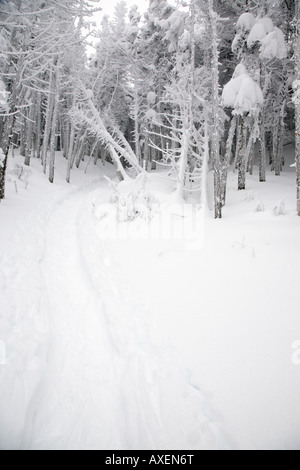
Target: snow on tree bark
{"points": [[227, 158], [215, 112], [54, 120], [241, 156]]}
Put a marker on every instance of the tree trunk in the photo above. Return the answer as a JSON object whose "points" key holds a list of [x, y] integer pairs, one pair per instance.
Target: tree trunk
{"points": [[23, 138], [227, 158], [39, 126], [269, 147], [80, 154], [238, 137], [96, 153], [251, 160], [249, 155], [279, 148], [137, 128], [262, 149], [70, 152], [215, 112], [29, 136], [147, 151], [241, 159], [297, 103], [183, 162], [54, 121], [47, 130], [7, 134], [3, 167], [275, 141], [97, 125]]}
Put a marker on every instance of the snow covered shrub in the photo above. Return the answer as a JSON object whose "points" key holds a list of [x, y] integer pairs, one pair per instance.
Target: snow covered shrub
{"points": [[280, 209], [21, 173], [134, 200], [259, 206], [242, 93]]}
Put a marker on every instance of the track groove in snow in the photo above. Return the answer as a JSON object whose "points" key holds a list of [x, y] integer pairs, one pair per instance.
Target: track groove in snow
{"points": [[103, 377]]}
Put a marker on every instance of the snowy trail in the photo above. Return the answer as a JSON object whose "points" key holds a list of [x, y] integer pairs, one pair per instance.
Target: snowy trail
{"points": [[104, 344], [65, 409], [109, 382]]}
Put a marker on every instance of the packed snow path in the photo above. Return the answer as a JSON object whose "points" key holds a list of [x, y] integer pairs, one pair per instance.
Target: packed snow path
{"points": [[112, 344], [66, 408], [108, 380]]}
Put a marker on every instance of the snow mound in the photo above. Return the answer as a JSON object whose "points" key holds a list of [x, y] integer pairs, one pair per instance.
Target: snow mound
{"points": [[260, 32], [257, 34], [242, 93], [134, 200], [20, 173], [245, 22], [280, 208], [176, 24], [151, 98], [259, 206], [274, 46], [175, 29], [237, 43], [267, 24], [152, 116], [240, 70], [185, 41]]}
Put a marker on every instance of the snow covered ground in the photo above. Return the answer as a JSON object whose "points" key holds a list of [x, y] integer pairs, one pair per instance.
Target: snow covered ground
{"points": [[138, 344]]}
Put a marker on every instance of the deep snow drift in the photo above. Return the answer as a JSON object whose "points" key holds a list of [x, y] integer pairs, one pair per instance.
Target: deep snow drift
{"points": [[109, 343]]}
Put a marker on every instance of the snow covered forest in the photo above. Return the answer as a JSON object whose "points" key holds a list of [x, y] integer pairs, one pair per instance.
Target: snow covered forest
{"points": [[192, 89], [134, 124]]}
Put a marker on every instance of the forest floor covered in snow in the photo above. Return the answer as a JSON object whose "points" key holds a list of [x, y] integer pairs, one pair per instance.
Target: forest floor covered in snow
{"points": [[121, 342]]}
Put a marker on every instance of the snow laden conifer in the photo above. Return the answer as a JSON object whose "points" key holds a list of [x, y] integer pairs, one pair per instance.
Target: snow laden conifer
{"points": [[38, 36], [244, 96], [262, 47]]}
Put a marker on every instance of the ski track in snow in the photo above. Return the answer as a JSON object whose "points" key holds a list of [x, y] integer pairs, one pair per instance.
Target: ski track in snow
{"points": [[98, 375]]}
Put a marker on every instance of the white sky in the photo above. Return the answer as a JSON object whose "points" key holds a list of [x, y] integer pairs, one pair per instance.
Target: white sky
{"points": [[108, 6]]}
